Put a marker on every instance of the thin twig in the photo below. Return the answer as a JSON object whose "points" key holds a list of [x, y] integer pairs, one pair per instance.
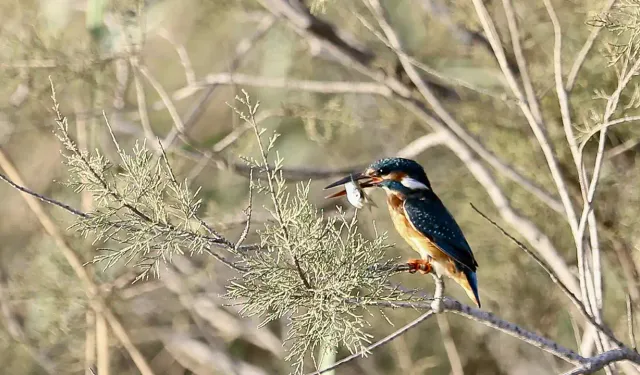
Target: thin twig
{"points": [[620, 149], [584, 51], [631, 325], [563, 98], [450, 345], [247, 212], [462, 144], [378, 343], [164, 96], [76, 264], [271, 177], [183, 55], [241, 51], [536, 126], [514, 31], [43, 198], [606, 125], [142, 105], [325, 87], [554, 278]]}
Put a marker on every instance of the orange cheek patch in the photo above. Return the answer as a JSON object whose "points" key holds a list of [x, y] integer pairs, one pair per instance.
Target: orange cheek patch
{"points": [[395, 176]]}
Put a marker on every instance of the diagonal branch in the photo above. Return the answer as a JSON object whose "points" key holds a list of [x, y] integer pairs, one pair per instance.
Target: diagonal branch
{"points": [[514, 32], [95, 300], [377, 344], [528, 229], [536, 126], [554, 278], [584, 51], [491, 320], [241, 51]]}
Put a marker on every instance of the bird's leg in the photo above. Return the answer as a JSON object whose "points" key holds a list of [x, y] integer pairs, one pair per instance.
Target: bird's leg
{"points": [[422, 265]]}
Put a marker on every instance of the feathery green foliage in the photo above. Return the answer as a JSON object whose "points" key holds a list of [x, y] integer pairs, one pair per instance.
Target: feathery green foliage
{"points": [[139, 204], [316, 271]]}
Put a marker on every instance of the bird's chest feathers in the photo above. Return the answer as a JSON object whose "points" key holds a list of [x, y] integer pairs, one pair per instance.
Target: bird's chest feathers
{"points": [[415, 239]]}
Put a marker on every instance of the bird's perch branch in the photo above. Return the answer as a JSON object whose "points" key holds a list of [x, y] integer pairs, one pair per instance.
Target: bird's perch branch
{"points": [[584, 365]]}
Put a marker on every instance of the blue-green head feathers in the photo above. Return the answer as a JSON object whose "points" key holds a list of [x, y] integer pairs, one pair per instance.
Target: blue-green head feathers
{"points": [[408, 167]]}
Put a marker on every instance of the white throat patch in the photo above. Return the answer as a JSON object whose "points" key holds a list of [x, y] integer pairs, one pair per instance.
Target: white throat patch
{"points": [[413, 184]]}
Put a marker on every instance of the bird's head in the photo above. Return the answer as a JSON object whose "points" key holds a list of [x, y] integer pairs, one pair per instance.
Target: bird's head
{"points": [[393, 174]]}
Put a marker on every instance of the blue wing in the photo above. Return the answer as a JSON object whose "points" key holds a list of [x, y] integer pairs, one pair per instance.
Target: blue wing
{"points": [[431, 218]]}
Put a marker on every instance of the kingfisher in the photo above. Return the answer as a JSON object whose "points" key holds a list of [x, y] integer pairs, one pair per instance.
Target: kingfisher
{"points": [[422, 220]]}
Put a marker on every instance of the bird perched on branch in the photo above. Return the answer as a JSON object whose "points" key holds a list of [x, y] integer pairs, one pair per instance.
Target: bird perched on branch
{"points": [[422, 220]]}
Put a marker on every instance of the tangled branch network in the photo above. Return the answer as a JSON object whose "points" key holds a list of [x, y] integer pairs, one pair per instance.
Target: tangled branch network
{"points": [[319, 271]]}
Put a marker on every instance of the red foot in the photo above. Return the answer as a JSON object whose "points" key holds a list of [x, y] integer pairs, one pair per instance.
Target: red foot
{"points": [[422, 265]]}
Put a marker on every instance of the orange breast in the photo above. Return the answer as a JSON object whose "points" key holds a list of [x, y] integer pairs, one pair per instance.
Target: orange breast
{"points": [[442, 262], [415, 239]]}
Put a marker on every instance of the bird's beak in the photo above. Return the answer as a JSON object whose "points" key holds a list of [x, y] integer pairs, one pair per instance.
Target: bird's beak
{"points": [[371, 182]]}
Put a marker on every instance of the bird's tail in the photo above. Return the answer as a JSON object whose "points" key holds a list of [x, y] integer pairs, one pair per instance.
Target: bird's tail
{"points": [[471, 286]]}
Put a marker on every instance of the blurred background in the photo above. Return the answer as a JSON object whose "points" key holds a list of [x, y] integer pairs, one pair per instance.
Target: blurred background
{"points": [[125, 60]]}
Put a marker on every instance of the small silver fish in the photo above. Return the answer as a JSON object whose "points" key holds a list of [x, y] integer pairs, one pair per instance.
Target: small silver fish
{"points": [[356, 195]]}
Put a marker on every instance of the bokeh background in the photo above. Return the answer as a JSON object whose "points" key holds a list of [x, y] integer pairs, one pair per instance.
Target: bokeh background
{"points": [[94, 51]]}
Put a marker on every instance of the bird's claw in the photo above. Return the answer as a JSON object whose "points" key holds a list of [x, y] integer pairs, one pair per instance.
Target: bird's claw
{"points": [[422, 265]]}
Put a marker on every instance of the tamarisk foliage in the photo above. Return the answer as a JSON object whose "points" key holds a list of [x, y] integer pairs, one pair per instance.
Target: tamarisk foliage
{"points": [[310, 268], [139, 205], [318, 272]]}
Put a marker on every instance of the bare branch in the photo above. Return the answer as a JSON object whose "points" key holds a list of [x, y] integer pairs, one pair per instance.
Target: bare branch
{"points": [[537, 127], [142, 106], [584, 51], [606, 125], [190, 75], [241, 51], [76, 264], [601, 360], [378, 343], [43, 198], [450, 345], [563, 99], [248, 211], [631, 324], [164, 96], [418, 146], [512, 23], [554, 278], [325, 87], [490, 320]]}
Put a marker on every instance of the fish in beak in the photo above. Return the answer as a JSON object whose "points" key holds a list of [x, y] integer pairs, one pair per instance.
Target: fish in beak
{"points": [[353, 188]]}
